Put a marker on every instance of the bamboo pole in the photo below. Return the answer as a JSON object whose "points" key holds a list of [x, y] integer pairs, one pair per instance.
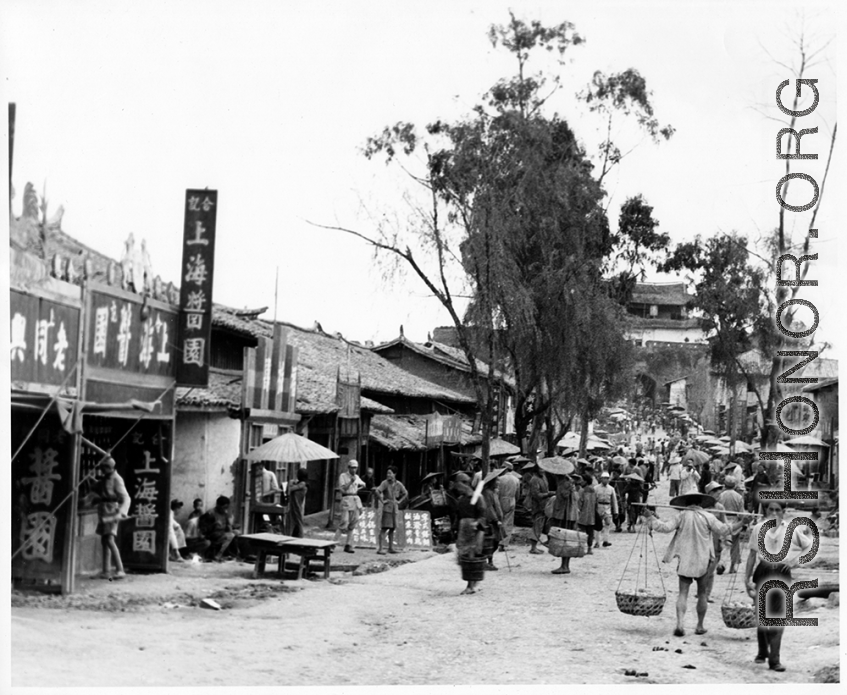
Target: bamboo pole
{"points": [[705, 509]]}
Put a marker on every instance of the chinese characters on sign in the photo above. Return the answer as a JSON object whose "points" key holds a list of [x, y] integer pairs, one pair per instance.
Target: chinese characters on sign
{"points": [[42, 339], [147, 482], [413, 530], [38, 532], [119, 339], [195, 294], [41, 478]]}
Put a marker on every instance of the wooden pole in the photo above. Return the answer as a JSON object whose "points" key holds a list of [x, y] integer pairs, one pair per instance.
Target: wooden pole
{"points": [[710, 509]]}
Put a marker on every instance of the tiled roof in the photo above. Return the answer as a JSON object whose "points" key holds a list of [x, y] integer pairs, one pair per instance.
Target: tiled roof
{"points": [[398, 432], [223, 392], [323, 354], [660, 293], [445, 354]]}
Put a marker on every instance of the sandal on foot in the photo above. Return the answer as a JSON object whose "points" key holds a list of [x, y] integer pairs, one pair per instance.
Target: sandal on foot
{"points": [[679, 633], [536, 551], [381, 552], [561, 570], [700, 631], [760, 659], [119, 575], [777, 667]]}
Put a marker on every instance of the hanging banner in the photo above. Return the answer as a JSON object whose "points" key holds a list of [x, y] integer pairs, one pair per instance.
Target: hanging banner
{"points": [[195, 292], [434, 430], [453, 429]]}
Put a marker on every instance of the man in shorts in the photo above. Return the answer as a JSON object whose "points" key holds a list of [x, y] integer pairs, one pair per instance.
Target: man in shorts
{"points": [[349, 484], [113, 504], [693, 544]]}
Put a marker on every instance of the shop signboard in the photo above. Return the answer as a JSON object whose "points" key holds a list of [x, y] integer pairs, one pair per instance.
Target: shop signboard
{"points": [[452, 429], [41, 478], [195, 294], [147, 473], [43, 340], [414, 530], [129, 335]]}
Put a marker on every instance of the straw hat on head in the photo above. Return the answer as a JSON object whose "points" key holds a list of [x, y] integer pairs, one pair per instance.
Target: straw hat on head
{"points": [[492, 475], [697, 498], [714, 485], [530, 466], [730, 482]]}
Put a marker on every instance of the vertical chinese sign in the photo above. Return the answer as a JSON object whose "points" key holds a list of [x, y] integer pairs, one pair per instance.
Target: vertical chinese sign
{"points": [[147, 476], [41, 479], [195, 294]]}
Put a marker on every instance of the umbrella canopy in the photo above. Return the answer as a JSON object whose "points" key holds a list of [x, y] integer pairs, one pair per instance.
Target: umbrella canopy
{"points": [[695, 456], [619, 460], [556, 465], [291, 448], [703, 437], [634, 476], [806, 440], [498, 447], [743, 446], [709, 432]]}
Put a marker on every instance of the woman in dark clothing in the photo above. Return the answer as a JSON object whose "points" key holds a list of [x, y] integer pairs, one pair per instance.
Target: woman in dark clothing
{"points": [[390, 495], [494, 517], [587, 512], [633, 495], [472, 525], [565, 513], [297, 503]]}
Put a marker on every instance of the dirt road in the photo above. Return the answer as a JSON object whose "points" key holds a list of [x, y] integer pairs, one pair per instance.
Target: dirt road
{"points": [[410, 626]]}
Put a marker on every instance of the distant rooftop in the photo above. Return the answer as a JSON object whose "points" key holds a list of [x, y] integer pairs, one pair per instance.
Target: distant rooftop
{"points": [[660, 293]]}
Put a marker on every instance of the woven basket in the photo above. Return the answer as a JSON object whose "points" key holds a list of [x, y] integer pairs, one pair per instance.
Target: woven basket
{"points": [[566, 543], [639, 604], [739, 617]]}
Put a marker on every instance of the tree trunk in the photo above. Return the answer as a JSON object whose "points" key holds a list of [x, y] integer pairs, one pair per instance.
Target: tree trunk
{"points": [[583, 436]]}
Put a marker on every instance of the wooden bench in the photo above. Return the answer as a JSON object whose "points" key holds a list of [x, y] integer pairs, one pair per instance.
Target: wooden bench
{"points": [[264, 544], [308, 550]]}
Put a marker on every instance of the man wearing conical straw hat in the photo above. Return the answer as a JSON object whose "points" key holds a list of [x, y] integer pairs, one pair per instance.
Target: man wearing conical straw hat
{"points": [[692, 544]]}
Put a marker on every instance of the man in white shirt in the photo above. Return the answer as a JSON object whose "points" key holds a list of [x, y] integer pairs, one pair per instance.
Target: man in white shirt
{"points": [[349, 484], [770, 637], [674, 474], [270, 484], [688, 479]]}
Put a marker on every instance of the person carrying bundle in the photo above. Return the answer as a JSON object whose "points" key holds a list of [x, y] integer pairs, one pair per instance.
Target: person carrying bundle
{"points": [[692, 543]]}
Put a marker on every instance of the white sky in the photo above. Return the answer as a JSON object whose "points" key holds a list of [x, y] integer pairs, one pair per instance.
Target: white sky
{"points": [[122, 106]]}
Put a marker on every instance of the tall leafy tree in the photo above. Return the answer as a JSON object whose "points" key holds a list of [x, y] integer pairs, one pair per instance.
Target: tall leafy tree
{"points": [[514, 215]]}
